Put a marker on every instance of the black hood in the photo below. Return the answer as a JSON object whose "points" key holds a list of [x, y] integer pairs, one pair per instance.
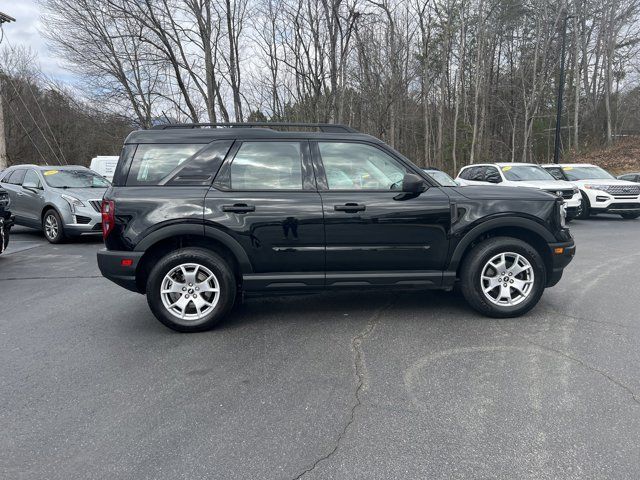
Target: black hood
{"points": [[481, 192]]}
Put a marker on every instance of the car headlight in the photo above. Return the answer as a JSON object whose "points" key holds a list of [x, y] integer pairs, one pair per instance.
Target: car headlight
{"points": [[603, 188], [73, 202], [576, 191]]}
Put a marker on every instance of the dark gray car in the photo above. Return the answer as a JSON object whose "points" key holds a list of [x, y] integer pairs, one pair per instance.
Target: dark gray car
{"points": [[61, 201]]}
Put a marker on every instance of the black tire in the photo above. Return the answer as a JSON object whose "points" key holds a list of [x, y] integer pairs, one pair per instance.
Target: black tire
{"points": [[203, 257], [54, 217], [479, 256], [586, 208], [630, 216]]}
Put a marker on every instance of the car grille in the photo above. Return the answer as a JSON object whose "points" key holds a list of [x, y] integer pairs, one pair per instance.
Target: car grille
{"points": [[82, 219], [624, 190], [566, 194], [96, 204]]}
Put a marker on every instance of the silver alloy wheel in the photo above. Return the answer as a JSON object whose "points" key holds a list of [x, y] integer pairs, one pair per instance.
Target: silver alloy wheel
{"points": [[190, 292], [507, 279], [51, 227]]}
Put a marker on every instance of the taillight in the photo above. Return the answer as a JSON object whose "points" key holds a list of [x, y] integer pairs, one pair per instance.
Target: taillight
{"points": [[108, 217]]}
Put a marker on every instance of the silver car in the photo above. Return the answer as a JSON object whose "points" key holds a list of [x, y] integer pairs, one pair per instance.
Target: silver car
{"points": [[63, 202]]}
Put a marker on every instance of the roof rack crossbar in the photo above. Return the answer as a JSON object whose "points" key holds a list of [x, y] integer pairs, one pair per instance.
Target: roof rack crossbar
{"points": [[323, 127]]}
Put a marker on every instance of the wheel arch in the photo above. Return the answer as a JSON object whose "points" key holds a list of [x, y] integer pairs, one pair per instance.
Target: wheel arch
{"points": [[168, 239], [520, 228]]}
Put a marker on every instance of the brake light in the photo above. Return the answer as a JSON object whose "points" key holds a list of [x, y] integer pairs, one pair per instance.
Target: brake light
{"points": [[108, 217]]}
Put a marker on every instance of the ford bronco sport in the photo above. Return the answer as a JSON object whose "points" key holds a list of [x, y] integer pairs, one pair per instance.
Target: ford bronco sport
{"points": [[201, 214]]}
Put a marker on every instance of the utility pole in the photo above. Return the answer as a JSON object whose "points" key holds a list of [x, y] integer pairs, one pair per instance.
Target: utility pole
{"points": [[556, 151], [4, 18]]}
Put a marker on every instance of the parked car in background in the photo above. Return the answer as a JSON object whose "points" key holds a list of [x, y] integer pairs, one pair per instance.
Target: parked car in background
{"points": [[104, 165], [6, 219], [61, 201], [523, 175], [601, 191], [630, 177], [199, 216], [441, 177]]}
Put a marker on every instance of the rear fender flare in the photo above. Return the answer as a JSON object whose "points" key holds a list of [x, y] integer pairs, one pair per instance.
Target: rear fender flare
{"points": [[202, 231]]}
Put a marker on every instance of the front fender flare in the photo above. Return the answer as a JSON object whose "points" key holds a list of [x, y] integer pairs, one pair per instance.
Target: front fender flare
{"points": [[486, 226]]}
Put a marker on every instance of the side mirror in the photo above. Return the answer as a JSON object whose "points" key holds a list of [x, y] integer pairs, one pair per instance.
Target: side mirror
{"points": [[412, 183]]}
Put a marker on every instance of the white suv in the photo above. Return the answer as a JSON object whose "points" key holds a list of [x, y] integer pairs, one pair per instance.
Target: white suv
{"points": [[523, 175], [602, 192]]}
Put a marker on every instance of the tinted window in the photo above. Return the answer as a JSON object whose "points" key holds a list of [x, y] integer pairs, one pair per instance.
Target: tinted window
{"points": [[474, 173], [267, 166], [492, 175], [31, 179], [201, 167], [152, 163], [357, 166], [556, 172], [16, 177]]}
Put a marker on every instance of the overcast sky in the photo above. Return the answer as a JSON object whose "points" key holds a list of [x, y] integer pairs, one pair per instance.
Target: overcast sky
{"points": [[26, 31]]}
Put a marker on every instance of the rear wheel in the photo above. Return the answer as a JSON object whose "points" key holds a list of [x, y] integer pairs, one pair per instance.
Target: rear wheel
{"points": [[503, 277], [191, 289], [630, 216], [52, 227]]}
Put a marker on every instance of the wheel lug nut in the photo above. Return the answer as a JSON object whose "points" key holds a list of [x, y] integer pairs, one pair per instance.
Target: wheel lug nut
{"points": [[510, 273], [195, 296], [511, 281], [505, 284], [184, 289], [186, 295], [197, 288]]}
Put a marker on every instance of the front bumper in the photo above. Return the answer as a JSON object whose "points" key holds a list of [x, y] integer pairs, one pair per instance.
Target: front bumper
{"points": [[115, 266], [603, 202], [561, 255], [85, 220]]}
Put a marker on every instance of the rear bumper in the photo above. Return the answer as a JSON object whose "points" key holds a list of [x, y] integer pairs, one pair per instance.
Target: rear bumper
{"points": [[111, 266], [561, 256]]}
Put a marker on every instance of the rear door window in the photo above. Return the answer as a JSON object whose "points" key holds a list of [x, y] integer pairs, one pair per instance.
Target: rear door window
{"points": [[492, 175], [267, 166], [16, 177]]}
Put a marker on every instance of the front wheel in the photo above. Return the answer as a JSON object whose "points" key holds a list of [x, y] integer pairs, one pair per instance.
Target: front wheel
{"points": [[52, 227], [630, 216], [503, 277], [191, 289], [585, 212]]}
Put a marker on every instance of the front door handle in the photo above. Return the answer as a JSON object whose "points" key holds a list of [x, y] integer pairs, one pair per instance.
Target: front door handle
{"points": [[350, 207], [239, 208]]}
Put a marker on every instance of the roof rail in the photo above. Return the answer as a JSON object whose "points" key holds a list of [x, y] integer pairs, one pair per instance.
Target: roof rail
{"points": [[323, 127]]}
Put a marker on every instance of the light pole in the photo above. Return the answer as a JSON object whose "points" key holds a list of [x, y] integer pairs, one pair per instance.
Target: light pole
{"points": [[556, 151]]}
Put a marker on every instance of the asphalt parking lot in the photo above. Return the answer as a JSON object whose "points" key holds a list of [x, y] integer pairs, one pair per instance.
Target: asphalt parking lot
{"points": [[330, 386]]}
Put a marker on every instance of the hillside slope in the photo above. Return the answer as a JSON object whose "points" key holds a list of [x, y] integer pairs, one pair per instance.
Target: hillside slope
{"points": [[622, 157]]}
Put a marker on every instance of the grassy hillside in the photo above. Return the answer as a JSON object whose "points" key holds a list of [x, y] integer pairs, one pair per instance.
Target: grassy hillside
{"points": [[622, 157]]}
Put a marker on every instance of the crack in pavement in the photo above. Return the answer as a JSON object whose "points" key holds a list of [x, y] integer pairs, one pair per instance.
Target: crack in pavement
{"points": [[615, 381], [590, 320], [360, 371]]}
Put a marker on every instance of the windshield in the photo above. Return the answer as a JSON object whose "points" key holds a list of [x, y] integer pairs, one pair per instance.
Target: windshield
{"points": [[520, 173], [442, 178], [74, 179], [585, 173]]}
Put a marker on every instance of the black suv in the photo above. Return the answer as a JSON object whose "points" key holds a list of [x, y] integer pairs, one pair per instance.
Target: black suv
{"points": [[199, 215], [6, 219]]}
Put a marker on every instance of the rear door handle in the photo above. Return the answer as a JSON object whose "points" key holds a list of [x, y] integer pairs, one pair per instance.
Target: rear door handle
{"points": [[239, 208], [350, 207]]}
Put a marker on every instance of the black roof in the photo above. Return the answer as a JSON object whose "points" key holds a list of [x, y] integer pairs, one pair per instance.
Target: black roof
{"points": [[202, 133]]}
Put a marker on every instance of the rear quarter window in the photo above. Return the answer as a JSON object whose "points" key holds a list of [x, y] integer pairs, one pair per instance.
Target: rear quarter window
{"points": [[153, 163]]}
